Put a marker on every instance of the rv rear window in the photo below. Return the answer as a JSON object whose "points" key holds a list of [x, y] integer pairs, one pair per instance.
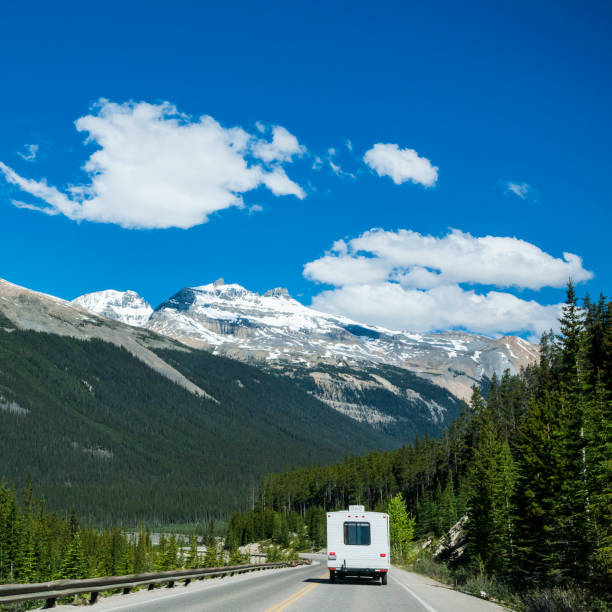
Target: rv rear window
{"points": [[357, 534]]}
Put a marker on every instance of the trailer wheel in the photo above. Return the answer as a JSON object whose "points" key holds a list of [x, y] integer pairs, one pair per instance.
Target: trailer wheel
{"points": [[383, 578], [332, 577]]}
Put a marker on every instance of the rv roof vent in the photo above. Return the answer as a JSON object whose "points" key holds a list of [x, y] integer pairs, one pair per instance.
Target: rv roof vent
{"points": [[356, 509]]}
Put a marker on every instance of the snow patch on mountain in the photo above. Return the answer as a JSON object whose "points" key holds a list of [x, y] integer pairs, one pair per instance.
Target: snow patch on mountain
{"points": [[125, 306]]}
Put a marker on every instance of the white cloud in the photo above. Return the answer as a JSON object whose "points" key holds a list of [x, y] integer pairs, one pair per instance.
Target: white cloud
{"points": [[418, 260], [522, 190], [279, 184], [447, 307], [157, 168], [412, 281], [336, 168], [401, 165], [31, 152], [283, 147]]}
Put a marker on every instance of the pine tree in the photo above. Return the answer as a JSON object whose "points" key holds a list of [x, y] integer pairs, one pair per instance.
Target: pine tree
{"points": [[160, 560], [448, 506], [236, 558], [140, 552], [211, 558], [73, 566], [598, 461], [30, 570], [191, 561], [491, 481], [169, 560], [537, 534], [73, 523], [571, 448], [570, 339]]}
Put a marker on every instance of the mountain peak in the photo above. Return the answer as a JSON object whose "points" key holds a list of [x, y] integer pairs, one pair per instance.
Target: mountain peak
{"points": [[125, 306], [277, 292], [224, 290]]}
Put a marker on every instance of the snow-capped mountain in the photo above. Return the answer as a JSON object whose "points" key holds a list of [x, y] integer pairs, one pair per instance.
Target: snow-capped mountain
{"points": [[125, 306], [402, 383], [282, 333]]}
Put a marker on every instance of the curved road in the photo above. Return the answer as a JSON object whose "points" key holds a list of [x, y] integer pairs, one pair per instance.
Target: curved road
{"points": [[304, 589]]}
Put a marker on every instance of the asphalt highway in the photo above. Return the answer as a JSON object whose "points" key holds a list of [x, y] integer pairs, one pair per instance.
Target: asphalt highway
{"points": [[304, 589]]}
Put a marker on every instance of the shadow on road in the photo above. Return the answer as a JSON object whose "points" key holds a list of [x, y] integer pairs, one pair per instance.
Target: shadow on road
{"points": [[346, 581]]}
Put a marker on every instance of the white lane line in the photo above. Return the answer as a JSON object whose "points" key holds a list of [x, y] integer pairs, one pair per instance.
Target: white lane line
{"points": [[421, 601]]}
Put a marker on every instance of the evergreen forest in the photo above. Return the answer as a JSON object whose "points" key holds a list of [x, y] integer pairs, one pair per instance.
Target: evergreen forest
{"points": [[37, 545], [99, 430], [528, 465]]}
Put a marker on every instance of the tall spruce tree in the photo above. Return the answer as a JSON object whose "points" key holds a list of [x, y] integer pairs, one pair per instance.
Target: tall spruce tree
{"points": [[491, 481], [74, 566]]}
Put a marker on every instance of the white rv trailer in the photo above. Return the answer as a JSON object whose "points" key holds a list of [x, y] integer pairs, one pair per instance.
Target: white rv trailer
{"points": [[358, 544]]}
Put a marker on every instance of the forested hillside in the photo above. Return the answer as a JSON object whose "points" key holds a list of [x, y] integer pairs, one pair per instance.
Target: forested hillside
{"points": [[530, 465], [98, 429]]}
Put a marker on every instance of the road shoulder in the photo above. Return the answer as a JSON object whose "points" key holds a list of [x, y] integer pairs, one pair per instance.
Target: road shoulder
{"points": [[438, 597]]}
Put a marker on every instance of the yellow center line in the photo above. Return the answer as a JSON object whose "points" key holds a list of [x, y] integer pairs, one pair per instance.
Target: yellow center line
{"points": [[294, 597]]}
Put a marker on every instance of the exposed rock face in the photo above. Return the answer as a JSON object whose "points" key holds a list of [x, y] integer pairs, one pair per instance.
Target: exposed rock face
{"points": [[452, 544]]}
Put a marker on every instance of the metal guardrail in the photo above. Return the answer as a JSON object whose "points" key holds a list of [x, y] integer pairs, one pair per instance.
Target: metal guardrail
{"points": [[56, 589]]}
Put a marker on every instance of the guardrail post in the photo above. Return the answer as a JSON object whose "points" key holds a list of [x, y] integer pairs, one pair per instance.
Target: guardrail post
{"points": [[50, 603], [170, 584], [187, 581], [126, 590], [151, 587], [93, 598]]}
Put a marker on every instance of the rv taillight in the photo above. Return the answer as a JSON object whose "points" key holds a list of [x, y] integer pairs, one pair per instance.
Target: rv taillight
{"points": [[332, 554], [383, 554]]}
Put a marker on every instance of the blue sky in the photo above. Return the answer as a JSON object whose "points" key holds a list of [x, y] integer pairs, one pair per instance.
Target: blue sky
{"points": [[507, 104]]}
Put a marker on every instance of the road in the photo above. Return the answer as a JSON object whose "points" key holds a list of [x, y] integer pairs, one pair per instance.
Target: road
{"points": [[303, 589]]}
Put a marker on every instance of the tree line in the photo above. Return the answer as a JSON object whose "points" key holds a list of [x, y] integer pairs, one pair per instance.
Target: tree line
{"points": [[529, 462], [37, 545]]}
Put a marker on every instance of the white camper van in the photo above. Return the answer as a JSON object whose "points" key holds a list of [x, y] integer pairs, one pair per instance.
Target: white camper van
{"points": [[358, 544]]}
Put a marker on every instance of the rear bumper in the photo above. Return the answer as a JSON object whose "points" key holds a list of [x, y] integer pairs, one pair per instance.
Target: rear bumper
{"points": [[359, 571]]}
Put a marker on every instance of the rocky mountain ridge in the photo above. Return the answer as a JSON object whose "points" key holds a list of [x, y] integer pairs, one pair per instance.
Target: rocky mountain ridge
{"points": [[396, 381], [281, 333]]}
